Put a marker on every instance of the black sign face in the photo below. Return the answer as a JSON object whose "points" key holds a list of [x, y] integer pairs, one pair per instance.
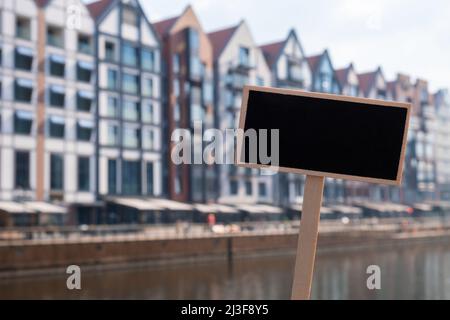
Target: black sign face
{"points": [[327, 135]]}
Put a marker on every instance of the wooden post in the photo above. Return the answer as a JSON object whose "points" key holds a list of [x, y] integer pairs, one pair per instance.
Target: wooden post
{"points": [[307, 240]]}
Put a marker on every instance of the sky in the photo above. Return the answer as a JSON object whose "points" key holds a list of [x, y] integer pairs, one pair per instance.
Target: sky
{"points": [[408, 36]]}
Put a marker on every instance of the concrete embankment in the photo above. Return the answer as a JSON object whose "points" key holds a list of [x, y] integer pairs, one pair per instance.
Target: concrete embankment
{"points": [[22, 258]]}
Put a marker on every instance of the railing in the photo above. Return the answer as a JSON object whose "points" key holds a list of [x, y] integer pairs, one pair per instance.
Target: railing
{"points": [[183, 230]]}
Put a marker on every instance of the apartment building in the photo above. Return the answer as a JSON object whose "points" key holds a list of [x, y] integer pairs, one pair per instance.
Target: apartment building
{"points": [[290, 69], [129, 116], [238, 61], [47, 109], [188, 56], [441, 101]]}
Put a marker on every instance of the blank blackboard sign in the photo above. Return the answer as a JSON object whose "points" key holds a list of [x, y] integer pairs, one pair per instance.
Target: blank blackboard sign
{"points": [[328, 135]]}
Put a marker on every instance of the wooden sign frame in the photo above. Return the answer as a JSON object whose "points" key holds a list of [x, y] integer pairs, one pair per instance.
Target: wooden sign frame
{"points": [[366, 101], [314, 186]]}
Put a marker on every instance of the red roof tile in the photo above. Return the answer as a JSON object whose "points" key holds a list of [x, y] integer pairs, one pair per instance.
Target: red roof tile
{"points": [[97, 8], [314, 61], [342, 76], [271, 51], [366, 80], [220, 38], [163, 27]]}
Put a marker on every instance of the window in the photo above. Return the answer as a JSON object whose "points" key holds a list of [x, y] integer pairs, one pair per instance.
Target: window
{"points": [[83, 174], [112, 176], [178, 180], [57, 96], [130, 55], [262, 189], [148, 139], [248, 188], [244, 56], [148, 60], [207, 92], [23, 58], [84, 44], [113, 135], [233, 187], [22, 170], [56, 127], [176, 112], [131, 137], [84, 100], [176, 63], [84, 71], [130, 83], [56, 172], [195, 68], [57, 66], [55, 36], [23, 28], [197, 113], [113, 107], [23, 90], [110, 51], [150, 183], [325, 82], [176, 87], [147, 88], [23, 122], [131, 177], [130, 110], [112, 79], [130, 16], [84, 130], [147, 112]]}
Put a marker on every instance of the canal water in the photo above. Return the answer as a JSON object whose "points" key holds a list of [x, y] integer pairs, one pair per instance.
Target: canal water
{"points": [[407, 272]]}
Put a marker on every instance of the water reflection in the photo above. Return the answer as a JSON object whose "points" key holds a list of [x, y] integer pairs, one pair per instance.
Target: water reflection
{"points": [[410, 272]]}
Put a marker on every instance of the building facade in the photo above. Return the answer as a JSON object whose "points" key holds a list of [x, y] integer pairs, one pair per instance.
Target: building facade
{"points": [[238, 61], [188, 56], [129, 116], [290, 69]]}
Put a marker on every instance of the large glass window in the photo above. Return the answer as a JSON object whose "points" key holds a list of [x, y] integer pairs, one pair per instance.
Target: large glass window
{"points": [[131, 137], [113, 107], [57, 66], [23, 28], [248, 187], [84, 130], [244, 56], [112, 79], [55, 36], [84, 71], [23, 90], [83, 173], [233, 187], [148, 60], [112, 176], [113, 134], [57, 96], [147, 112], [56, 172], [23, 122], [262, 189], [130, 55], [84, 44], [56, 127], [23, 58], [130, 83], [148, 139], [150, 183], [131, 177], [130, 110], [110, 51], [147, 87], [22, 170], [84, 100]]}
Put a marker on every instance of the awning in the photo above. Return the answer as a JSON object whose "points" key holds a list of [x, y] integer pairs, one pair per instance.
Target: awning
{"points": [[423, 207], [173, 205], [26, 83], [24, 115], [25, 51], [58, 89], [86, 65], [138, 204], [259, 208], [86, 124], [13, 207], [45, 207], [214, 208], [86, 95], [57, 59], [346, 209], [57, 120]]}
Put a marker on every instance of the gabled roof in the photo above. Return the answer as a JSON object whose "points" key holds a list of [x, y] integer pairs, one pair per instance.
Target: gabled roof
{"points": [[366, 80], [313, 61], [99, 7], [220, 38], [163, 27], [272, 51], [342, 75]]}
